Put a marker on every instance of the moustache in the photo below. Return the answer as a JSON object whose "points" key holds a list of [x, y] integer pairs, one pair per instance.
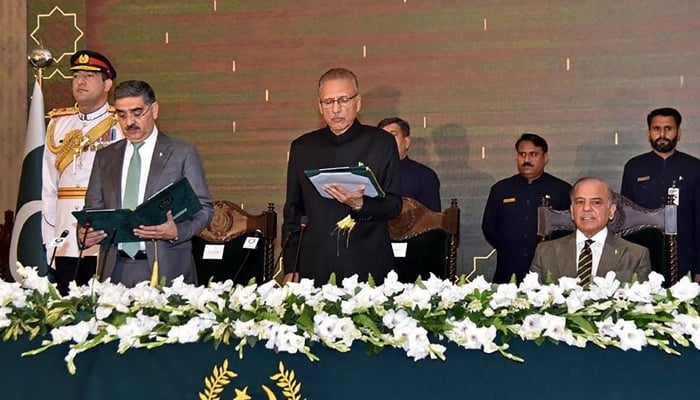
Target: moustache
{"points": [[527, 164], [132, 127]]}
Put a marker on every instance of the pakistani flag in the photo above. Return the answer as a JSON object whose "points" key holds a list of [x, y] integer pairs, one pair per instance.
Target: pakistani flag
{"points": [[27, 246]]}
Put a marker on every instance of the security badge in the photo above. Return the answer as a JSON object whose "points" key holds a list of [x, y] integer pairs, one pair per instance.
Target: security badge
{"points": [[676, 193]]}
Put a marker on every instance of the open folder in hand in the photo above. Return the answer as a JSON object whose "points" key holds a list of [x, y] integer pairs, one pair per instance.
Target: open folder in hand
{"points": [[177, 197], [349, 177]]}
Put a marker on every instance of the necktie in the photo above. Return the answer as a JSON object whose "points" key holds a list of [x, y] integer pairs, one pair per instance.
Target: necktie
{"points": [[585, 264], [131, 192]]}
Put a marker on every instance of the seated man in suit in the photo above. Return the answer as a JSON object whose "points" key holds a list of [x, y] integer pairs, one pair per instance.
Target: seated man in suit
{"points": [[591, 250]]}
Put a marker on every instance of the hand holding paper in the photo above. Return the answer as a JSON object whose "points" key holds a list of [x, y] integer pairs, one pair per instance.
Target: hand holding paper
{"points": [[350, 198], [350, 178]]}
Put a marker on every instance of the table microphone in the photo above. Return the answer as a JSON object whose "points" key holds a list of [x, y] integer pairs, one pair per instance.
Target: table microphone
{"points": [[302, 225], [58, 243]]}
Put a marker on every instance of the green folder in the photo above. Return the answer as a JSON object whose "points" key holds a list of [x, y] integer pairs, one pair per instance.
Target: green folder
{"points": [[119, 223], [349, 177]]}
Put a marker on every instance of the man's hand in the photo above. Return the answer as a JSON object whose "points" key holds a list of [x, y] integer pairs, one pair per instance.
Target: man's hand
{"points": [[165, 231], [91, 238], [352, 199], [290, 277]]}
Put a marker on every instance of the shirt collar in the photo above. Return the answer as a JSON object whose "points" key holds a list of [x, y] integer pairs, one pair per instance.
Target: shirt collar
{"points": [[95, 114], [598, 238]]}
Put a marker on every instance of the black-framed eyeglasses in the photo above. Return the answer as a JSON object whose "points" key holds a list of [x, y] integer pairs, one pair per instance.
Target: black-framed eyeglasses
{"points": [[136, 113], [342, 101]]}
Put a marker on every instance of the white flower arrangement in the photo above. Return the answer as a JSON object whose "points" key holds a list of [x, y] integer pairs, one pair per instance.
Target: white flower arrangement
{"points": [[419, 318]]}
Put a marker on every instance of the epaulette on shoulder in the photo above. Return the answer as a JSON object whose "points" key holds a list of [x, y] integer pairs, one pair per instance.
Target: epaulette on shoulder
{"points": [[60, 112]]}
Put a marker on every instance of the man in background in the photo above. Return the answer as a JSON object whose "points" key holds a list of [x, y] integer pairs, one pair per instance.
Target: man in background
{"points": [[418, 181], [327, 246], [73, 136], [592, 250], [132, 170], [648, 179], [510, 217]]}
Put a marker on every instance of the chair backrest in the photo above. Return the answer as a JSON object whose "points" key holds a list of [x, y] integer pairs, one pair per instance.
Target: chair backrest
{"points": [[654, 229], [431, 240], [236, 230]]}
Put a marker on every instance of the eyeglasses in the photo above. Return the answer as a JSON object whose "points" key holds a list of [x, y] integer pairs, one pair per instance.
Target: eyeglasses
{"points": [[136, 113], [342, 101]]}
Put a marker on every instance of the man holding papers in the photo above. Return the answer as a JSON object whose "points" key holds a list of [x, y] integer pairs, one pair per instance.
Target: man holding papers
{"points": [[132, 170], [339, 227]]}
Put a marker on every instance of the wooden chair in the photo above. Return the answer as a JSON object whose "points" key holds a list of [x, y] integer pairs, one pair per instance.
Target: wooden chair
{"points": [[431, 241], [655, 229], [236, 230]]}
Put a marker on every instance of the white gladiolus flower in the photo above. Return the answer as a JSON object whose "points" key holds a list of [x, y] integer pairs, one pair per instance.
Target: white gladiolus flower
{"points": [[32, 280], [630, 336], [531, 282], [391, 284], [350, 283], [637, 292], [555, 327], [243, 297], [189, 332], [414, 297], [604, 288], [12, 294], [569, 284], [479, 284], [504, 295], [685, 290], [655, 282], [134, 328], [531, 327]]}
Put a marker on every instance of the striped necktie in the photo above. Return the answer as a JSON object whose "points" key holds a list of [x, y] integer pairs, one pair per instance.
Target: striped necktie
{"points": [[131, 192], [585, 264]]}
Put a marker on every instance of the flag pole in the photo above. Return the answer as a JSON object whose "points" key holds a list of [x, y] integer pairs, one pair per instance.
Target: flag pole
{"points": [[39, 59]]}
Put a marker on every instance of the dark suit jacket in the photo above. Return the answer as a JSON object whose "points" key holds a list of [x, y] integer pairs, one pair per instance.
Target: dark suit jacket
{"points": [[172, 159], [558, 258]]}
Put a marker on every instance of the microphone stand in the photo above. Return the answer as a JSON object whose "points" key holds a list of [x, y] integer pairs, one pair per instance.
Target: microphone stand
{"points": [[81, 247], [296, 259]]}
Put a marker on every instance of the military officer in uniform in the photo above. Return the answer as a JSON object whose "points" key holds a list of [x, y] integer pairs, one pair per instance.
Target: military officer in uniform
{"points": [[73, 136]]}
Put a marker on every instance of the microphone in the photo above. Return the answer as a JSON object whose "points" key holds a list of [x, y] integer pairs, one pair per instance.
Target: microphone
{"points": [[250, 243], [56, 243], [302, 226]]}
